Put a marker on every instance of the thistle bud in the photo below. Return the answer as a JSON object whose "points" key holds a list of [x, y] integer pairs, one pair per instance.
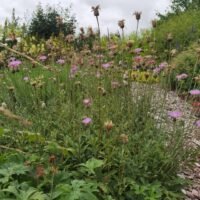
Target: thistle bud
{"points": [[95, 10], [121, 23], [108, 125], [137, 15]]}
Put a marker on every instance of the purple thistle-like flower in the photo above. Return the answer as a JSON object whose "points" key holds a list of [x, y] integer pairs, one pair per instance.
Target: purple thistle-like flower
{"points": [[197, 123], [195, 92], [86, 121], [42, 58], [157, 70], [61, 61], [181, 76], [175, 114], [87, 102], [73, 71], [106, 65], [14, 65], [137, 50], [163, 65]]}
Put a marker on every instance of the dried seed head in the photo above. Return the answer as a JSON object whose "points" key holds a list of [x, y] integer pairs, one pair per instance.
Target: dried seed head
{"points": [[137, 15], [108, 125], [121, 23], [95, 10], [123, 138]]}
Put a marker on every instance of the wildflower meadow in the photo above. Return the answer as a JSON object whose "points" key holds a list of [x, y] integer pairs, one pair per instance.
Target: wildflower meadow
{"points": [[94, 116]]}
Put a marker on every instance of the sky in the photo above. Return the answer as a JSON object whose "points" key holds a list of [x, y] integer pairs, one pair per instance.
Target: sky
{"points": [[111, 11]]}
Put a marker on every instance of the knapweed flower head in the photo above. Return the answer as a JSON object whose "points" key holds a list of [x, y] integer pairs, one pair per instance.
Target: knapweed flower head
{"points": [[61, 61], [42, 58], [87, 102], [195, 92], [86, 121], [175, 114], [198, 123], [106, 65], [181, 77], [108, 125], [163, 65], [137, 15], [121, 23], [138, 59], [157, 70], [14, 65], [137, 50], [73, 70], [95, 10]]}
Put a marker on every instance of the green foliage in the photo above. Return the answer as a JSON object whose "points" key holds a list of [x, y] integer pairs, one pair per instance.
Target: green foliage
{"points": [[51, 21], [187, 62], [184, 28]]}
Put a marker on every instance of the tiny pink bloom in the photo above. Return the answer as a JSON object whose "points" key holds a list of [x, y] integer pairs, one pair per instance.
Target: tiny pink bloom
{"points": [[137, 50], [195, 92], [181, 76], [14, 65], [106, 65], [138, 59], [174, 114], [198, 123], [163, 65], [61, 61], [87, 102], [86, 121], [73, 71], [42, 58]]}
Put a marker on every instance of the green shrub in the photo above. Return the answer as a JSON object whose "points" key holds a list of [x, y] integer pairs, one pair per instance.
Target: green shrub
{"points": [[51, 21], [187, 62], [184, 27]]}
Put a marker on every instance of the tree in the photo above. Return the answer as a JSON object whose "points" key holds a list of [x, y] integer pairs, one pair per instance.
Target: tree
{"points": [[51, 21], [182, 5]]}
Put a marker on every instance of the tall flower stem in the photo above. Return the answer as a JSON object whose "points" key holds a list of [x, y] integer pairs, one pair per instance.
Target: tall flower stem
{"points": [[99, 33], [137, 28]]}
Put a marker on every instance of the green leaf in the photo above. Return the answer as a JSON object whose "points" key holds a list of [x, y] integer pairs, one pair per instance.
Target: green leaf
{"points": [[92, 164]]}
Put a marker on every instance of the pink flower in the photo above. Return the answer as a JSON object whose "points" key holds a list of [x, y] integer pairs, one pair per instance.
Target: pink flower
{"points": [[174, 114], [137, 50], [181, 76], [197, 123], [87, 102], [195, 92], [163, 65], [61, 61], [138, 59], [106, 65], [73, 71], [14, 65], [42, 58], [86, 121]]}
